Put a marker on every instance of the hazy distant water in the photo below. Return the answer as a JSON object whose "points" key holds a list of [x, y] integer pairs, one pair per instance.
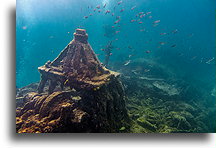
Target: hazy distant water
{"points": [[44, 28]]}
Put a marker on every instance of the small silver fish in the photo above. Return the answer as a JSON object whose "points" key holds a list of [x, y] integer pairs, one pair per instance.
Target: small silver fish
{"points": [[133, 7], [209, 61], [155, 22], [128, 62], [119, 2]]}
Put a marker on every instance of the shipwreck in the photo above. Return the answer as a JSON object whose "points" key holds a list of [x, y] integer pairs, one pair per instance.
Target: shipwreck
{"points": [[76, 93]]}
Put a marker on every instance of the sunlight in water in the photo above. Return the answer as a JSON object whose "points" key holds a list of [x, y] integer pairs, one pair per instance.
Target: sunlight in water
{"points": [[105, 2]]}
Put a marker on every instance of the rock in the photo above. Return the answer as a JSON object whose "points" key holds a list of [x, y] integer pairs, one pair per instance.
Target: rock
{"points": [[136, 128], [167, 129], [179, 121], [27, 89], [146, 124], [100, 111], [20, 101], [166, 88], [186, 107]]}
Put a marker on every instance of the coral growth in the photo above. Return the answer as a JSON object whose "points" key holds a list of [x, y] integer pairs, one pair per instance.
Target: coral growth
{"points": [[76, 66], [89, 97], [101, 110], [160, 104]]}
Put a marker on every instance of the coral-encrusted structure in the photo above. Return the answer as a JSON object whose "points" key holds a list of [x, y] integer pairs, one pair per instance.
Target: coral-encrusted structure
{"points": [[77, 66], [93, 102]]}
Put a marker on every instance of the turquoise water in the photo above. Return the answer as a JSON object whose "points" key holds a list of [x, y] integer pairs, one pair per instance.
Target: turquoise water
{"points": [[179, 35], [44, 28]]}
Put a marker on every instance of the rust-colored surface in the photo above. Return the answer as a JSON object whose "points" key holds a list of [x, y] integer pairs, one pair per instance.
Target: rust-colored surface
{"points": [[76, 66], [92, 111], [96, 105]]}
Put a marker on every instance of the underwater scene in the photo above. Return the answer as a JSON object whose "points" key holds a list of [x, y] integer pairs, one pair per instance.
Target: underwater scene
{"points": [[115, 66]]}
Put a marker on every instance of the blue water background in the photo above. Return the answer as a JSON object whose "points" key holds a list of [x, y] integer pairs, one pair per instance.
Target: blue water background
{"points": [[45, 27]]}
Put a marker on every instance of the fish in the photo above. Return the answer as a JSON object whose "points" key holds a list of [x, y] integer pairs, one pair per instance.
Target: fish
{"points": [[90, 14], [209, 61], [173, 45], [134, 71], [94, 10], [24, 27], [113, 14], [140, 22], [163, 33], [193, 58], [190, 35], [119, 2], [143, 15], [148, 51], [146, 70], [99, 11], [108, 11], [128, 62], [117, 21], [157, 21], [104, 6], [132, 8], [118, 17], [117, 32], [132, 21], [140, 13], [175, 31], [129, 47], [130, 55], [121, 10], [147, 13], [85, 17], [150, 17], [162, 43], [98, 6]]}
